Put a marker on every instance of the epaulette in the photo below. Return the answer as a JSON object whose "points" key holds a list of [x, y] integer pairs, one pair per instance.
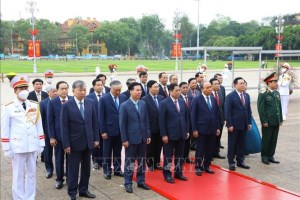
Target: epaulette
{"points": [[9, 103], [34, 101]]}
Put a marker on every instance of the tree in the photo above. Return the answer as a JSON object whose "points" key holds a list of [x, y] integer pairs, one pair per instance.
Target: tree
{"points": [[5, 34], [83, 36]]}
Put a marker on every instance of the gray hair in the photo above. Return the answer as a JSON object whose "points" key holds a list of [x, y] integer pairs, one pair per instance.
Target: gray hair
{"points": [[115, 83], [78, 84], [50, 87]]}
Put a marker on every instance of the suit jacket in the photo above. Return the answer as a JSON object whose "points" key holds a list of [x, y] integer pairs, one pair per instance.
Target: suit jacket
{"points": [[107, 90], [223, 92], [204, 120], [127, 94], [269, 108], [134, 125], [236, 114], [144, 93], [198, 88], [153, 112], [96, 103], [76, 132], [161, 91], [32, 96], [221, 106], [109, 115], [173, 124], [53, 117], [189, 93], [43, 110]]}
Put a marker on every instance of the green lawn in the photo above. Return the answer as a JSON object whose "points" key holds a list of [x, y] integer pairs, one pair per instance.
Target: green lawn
{"points": [[123, 65]]}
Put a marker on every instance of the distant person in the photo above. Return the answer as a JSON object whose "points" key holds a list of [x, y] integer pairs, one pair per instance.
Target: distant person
{"points": [[49, 74], [199, 78], [37, 94], [127, 93], [163, 87], [173, 78], [226, 73], [103, 78], [269, 110], [192, 91], [238, 121], [135, 132], [143, 76], [284, 88], [22, 138], [80, 134]]}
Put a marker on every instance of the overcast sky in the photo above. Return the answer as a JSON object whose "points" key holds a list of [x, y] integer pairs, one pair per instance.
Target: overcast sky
{"points": [[238, 10]]}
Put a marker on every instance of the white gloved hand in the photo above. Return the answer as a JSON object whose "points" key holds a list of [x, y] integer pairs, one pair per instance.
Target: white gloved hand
{"points": [[8, 153]]}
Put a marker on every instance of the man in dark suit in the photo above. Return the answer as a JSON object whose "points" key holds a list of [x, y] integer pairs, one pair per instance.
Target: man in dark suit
{"points": [[153, 100], [97, 153], [143, 76], [184, 87], [270, 114], [102, 78], [163, 87], [37, 94], [54, 130], [205, 125], [222, 96], [174, 129], [135, 132], [80, 134], [192, 91], [48, 149], [110, 130], [238, 122], [217, 94], [199, 78], [127, 93]]}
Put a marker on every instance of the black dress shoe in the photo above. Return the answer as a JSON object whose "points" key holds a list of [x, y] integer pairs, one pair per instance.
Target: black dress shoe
{"points": [[128, 188], [266, 162], [219, 156], [232, 167], [180, 177], [49, 174], [143, 186], [189, 161], [121, 174], [208, 170], [198, 172], [107, 176], [243, 165], [274, 161], [87, 195], [151, 168], [158, 168], [72, 198], [59, 184], [169, 179]]}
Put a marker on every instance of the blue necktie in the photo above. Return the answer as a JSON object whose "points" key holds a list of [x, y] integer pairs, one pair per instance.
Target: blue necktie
{"points": [[156, 102], [81, 109], [136, 106], [116, 103], [208, 103]]}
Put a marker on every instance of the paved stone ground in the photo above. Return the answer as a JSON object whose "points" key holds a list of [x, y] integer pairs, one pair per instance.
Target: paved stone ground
{"points": [[285, 175]]}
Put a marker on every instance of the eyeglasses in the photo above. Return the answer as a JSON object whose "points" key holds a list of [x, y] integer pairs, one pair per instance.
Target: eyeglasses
{"points": [[275, 81]]}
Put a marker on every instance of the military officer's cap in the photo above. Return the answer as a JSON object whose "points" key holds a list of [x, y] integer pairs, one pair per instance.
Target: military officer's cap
{"points": [[49, 73], [270, 77], [19, 81], [286, 65]]}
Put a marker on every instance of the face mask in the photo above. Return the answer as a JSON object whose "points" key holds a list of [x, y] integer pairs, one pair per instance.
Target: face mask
{"points": [[49, 80], [283, 70], [23, 94]]}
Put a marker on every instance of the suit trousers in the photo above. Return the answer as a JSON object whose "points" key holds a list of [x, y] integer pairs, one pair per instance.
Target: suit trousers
{"points": [[82, 160], [269, 141], [48, 155], [24, 167], [132, 153], [168, 149], [154, 150], [218, 142], [236, 146], [59, 161], [204, 150], [97, 153], [112, 144]]}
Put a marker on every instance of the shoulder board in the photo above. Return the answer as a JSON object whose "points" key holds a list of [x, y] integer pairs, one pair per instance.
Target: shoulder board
{"points": [[34, 102], [9, 103]]}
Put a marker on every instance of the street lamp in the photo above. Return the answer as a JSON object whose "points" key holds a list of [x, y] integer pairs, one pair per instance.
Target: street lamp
{"points": [[32, 9], [279, 29], [12, 41], [198, 29], [176, 27]]}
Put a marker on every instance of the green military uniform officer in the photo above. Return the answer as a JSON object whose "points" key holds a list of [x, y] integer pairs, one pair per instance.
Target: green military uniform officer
{"points": [[270, 114]]}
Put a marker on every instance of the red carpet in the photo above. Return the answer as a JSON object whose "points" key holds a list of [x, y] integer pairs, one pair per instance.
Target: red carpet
{"points": [[223, 185]]}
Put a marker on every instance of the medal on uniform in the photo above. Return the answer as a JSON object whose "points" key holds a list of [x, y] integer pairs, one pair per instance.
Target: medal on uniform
{"points": [[32, 115]]}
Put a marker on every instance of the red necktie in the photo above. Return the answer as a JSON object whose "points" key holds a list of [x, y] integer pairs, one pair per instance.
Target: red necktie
{"points": [[187, 102], [242, 99], [63, 101], [165, 90], [217, 98], [177, 106]]}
